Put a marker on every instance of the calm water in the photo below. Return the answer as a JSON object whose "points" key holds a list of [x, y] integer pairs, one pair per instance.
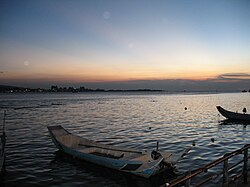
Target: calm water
{"points": [[115, 118]]}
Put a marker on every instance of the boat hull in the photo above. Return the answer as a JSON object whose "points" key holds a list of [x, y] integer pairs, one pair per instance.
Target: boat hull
{"points": [[153, 168], [233, 115]]}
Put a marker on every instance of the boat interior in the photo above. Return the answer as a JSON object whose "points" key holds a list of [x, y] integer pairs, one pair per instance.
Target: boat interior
{"points": [[91, 147], [86, 146]]}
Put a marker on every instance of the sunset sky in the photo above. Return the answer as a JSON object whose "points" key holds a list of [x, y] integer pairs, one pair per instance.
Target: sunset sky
{"points": [[117, 44]]}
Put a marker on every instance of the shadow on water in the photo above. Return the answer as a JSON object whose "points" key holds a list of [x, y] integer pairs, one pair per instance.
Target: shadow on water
{"points": [[124, 179], [234, 122]]}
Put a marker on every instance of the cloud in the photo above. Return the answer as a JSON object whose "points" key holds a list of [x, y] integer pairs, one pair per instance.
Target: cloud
{"points": [[175, 84], [234, 76], [223, 82]]}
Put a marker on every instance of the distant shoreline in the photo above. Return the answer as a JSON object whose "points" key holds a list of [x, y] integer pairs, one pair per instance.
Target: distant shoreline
{"points": [[56, 89]]}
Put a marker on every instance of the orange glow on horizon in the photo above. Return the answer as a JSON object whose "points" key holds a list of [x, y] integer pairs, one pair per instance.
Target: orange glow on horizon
{"points": [[34, 63], [106, 76]]}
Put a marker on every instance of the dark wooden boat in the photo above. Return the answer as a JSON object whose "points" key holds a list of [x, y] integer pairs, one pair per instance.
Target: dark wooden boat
{"points": [[233, 115], [142, 163]]}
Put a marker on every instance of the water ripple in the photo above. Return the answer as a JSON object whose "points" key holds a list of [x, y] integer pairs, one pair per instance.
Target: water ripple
{"points": [[129, 120]]}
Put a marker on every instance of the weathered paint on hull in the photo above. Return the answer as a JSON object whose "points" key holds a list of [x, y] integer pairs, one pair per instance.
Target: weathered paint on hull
{"points": [[108, 162]]}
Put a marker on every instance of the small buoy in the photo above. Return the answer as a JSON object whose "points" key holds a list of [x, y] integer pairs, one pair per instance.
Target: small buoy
{"points": [[185, 108], [212, 139], [193, 143]]}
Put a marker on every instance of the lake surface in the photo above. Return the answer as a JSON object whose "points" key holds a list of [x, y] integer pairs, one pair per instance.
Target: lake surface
{"points": [[135, 120]]}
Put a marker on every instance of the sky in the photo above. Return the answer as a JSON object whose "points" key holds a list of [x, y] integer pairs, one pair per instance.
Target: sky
{"points": [[116, 44]]}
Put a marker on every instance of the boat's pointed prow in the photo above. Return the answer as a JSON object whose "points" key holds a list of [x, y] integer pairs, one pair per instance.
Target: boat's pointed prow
{"points": [[233, 115], [129, 160], [219, 108]]}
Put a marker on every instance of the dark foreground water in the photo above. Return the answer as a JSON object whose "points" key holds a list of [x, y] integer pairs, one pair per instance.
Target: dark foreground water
{"points": [[134, 120]]}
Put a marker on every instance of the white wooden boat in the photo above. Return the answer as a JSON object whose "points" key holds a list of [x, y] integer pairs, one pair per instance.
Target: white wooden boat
{"points": [[233, 115], [141, 163]]}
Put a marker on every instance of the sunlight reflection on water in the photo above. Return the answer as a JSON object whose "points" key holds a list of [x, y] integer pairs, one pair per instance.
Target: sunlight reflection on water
{"points": [[127, 119]]}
